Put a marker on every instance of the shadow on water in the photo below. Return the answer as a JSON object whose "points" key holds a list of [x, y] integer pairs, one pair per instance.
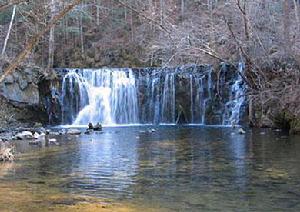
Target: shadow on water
{"points": [[170, 169]]}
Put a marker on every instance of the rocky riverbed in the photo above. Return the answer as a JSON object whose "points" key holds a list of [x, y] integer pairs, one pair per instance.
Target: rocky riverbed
{"points": [[34, 136]]}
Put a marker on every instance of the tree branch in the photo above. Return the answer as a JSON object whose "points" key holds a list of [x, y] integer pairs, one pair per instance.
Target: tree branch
{"points": [[11, 3], [31, 44]]}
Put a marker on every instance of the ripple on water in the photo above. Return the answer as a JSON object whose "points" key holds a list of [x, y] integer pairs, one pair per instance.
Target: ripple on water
{"points": [[175, 168]]}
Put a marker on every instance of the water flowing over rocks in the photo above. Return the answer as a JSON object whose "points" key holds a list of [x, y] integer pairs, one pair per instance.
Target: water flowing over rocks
{"points": [[182, 95], [195, 94]]}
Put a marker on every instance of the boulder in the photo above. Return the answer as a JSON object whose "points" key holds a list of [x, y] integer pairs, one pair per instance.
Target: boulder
{"points": [[242, 131], [74, 132], [53, 141], [38, 125], [98, 127], [91, 127], [24, 135], [36, 135], [54, 133]]}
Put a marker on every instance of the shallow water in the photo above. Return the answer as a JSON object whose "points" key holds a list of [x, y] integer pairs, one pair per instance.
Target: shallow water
{"points": [[190, 168]]}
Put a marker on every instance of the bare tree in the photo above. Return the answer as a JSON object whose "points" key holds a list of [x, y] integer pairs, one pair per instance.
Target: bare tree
{"points": [[31, 44], [9, 30]]}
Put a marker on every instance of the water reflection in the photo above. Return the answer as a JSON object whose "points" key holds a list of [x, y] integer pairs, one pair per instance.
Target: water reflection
{"points": [[174, 168]]}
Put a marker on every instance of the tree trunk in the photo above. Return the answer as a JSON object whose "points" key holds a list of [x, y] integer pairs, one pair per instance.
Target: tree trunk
{"points": [[286, 26], [52, 36], [9, 30], [11, 3]]}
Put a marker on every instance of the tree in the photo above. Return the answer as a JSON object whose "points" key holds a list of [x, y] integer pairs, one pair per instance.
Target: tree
{"points": [[31, 44]]}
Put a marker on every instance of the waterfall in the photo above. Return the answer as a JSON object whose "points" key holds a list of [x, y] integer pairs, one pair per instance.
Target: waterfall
{"points": [[151, 96], [237, 99], [192, 99], [110, 96], [168, 100]]}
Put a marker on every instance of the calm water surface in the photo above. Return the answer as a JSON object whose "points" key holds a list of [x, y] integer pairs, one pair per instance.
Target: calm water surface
{"points": [[171, 169]]}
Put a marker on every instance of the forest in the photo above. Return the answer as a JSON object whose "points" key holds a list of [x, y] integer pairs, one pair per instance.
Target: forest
{"points": [[92, 34]]}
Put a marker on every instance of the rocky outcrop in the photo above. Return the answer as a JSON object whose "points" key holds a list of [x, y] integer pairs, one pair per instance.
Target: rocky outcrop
{"points": [[21, 87], [20, 98]]}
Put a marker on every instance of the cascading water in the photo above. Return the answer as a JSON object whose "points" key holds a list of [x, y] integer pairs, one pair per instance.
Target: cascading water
{"points": [[110, 96], [237, 99], [151, 96], [168, 100]]}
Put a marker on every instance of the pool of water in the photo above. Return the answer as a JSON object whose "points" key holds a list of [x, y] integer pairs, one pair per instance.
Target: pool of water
{"points": [[191, 168]]}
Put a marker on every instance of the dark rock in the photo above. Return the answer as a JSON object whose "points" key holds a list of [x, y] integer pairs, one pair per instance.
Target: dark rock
{"points": [[98, 127], [91, 127], [88, 131]]}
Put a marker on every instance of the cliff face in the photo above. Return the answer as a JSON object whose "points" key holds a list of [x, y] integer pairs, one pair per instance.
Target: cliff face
{"points": [[20, 99]]}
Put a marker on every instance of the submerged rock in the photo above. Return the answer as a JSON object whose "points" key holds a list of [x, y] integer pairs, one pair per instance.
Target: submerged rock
{"points": [[34, 142], [52, 140], [88, 131]]}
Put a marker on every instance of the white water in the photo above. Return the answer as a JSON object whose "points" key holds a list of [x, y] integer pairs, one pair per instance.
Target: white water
{"points": [[111, 94], [115, 97], [237, 99]]}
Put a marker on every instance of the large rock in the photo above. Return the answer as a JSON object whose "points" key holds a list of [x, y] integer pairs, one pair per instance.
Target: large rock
{"points": [[24, 135], [20, 87], [74, 132]]}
